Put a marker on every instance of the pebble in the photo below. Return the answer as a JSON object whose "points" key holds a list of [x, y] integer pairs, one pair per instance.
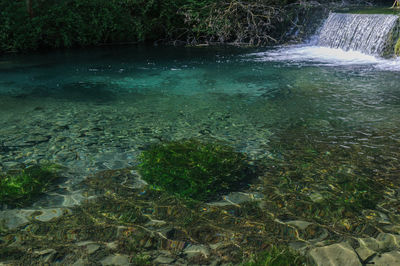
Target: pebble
{"points": [[163, 259], [49, 214], [47, 254], [117, 260], [302, 225], [316, 197], [240, 197], [383, 241], [90, 246], [194, 250], [112, 245], [13, 219]]}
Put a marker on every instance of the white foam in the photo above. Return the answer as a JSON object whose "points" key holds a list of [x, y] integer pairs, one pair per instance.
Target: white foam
{"points": [[325, 56]]}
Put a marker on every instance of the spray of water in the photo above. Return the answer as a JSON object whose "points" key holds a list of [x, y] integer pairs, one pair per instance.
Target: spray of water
{"points": [[345, 39]]}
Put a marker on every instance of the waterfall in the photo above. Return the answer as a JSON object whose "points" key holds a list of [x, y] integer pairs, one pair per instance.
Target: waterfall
{"points": [[369, 34]]}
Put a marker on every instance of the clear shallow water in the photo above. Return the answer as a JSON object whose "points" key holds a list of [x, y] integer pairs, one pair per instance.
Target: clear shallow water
{"points": [[117, 100], [327, 122]]}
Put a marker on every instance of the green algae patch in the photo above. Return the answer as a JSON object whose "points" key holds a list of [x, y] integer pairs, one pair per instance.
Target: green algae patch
{"points": [[19, 188], [194, 169], [276, 256]]}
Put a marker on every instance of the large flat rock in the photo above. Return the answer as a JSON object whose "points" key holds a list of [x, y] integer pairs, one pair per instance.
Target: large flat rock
{"points": [[335, 255]]}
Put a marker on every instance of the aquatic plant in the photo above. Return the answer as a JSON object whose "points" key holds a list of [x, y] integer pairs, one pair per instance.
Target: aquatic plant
{"points": [[141, 259], [358, 193], [20, 187], [326, 183], [194, 169], [276, 256]]}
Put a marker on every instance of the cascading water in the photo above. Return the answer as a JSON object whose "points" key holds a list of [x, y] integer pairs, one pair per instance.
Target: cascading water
{"points": [[345, 40], [369, 34]]}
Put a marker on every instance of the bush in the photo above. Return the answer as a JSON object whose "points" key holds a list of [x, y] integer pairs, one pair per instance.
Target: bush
{"points": [[248, 21], [72, 23], [20, 188], [194, 169]]}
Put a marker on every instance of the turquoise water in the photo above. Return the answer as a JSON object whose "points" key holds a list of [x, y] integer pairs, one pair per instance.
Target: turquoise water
{"points": [[312, 114], [104, 105]]}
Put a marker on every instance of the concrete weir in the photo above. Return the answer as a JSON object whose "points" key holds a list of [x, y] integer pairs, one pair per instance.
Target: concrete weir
{"points": [[374, 34]]}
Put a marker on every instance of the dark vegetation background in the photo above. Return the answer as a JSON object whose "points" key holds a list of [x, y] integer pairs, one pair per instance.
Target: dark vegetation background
{"points": [[36, 24]]}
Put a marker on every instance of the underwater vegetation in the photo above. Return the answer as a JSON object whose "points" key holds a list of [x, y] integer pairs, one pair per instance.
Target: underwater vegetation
{"points": [[194, 169], [327, 183], [18, 188], [276, 256], [143, 223]]}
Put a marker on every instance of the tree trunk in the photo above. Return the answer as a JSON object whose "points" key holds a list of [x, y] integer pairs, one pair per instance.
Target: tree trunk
{"points": [[29, 7]]}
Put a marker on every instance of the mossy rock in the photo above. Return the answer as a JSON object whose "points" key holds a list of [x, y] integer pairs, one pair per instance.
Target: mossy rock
{"points": [[194, 169], [397, 48], [20, 187]]}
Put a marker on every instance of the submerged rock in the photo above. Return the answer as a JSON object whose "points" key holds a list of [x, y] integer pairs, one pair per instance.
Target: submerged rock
{"points": [[164, 259], [195, 250], [390, 258], [49, 214], [117, 260], [383, 241], [333, 255], [12, 219]]}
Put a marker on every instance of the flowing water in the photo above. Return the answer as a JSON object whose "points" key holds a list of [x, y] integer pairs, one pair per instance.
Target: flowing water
{"points": [[315, 115], [360, 32]]}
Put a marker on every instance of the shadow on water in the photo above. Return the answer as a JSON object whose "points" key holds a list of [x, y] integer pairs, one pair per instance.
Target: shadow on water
{"points": [[76, 91]]}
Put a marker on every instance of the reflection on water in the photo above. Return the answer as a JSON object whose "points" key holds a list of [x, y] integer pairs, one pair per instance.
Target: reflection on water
{"points": [[324, 124]]}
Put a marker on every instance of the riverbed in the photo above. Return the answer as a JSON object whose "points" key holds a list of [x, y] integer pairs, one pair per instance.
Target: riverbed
{"points": [[324, 122]]}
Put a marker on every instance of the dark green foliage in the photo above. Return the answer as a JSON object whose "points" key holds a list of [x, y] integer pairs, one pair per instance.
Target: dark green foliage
{"points": [[276, 256], [74, 23], [194, 169], [249, 21], [17, 189], [71, 23]]}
